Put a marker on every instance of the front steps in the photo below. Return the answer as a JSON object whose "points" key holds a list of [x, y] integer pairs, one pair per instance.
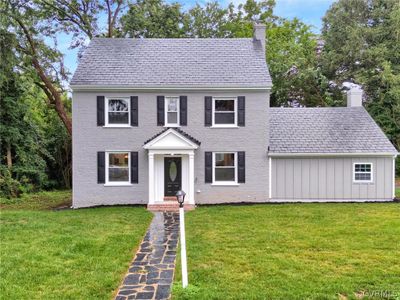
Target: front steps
{"points": [[172, 206]]}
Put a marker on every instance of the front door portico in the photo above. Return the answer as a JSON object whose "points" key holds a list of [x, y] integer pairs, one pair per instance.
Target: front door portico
{"points": [[171, 165]]}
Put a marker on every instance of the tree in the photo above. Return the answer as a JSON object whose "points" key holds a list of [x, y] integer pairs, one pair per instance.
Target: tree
{"points": [[153, 19], [362, 45], [35, 22], [44, 63], [20, 137], [208, 21]]}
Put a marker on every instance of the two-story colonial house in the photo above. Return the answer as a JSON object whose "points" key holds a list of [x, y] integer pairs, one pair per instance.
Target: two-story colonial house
{"points": [[154, 116]]}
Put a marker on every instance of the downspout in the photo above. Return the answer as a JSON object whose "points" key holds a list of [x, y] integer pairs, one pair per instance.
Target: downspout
{"points": [[394, 177]]}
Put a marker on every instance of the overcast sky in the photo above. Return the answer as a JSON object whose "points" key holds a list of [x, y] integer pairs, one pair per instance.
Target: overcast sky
{"points": [[309, 11]]}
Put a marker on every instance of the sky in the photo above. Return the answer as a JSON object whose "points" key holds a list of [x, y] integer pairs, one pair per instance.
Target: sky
{"points": [[308, 11]]}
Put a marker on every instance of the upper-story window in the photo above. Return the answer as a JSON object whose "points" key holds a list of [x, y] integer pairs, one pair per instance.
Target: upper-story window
{"points": [[362, 172], [171, 111], [224, 112], [117, 111]]}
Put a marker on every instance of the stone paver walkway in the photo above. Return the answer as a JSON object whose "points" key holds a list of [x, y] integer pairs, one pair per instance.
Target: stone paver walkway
{"points": [[151, 273]]}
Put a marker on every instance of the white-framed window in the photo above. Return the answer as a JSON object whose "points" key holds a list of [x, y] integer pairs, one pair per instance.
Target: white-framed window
{"points": [[118, 167], [171, 112], [224, 112], [362, 172], [117, 111], [225, 167]]}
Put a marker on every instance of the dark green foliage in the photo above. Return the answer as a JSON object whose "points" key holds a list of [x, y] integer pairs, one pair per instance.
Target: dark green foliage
{"points": [[153, 19], [32, 136], [9, 187], [20, 137], [362, 45]]}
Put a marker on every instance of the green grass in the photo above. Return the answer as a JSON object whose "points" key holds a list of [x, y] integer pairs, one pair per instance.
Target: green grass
{"points": [[66, 254], [398, 192], [292, 251], [38, 201]]}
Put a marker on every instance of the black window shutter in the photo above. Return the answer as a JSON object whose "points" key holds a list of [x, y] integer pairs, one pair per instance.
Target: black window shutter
{"points": [[134, 111], [134, 167], [241, 110], [183, 110], [160, 111], [100, 111], [208, 169], [241, 167], [101, 170], [207, 111]]}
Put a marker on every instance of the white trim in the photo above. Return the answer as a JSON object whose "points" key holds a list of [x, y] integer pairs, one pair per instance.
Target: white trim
{"points": [[106, 124], [371, 172], [235, 112], [225, 183], [270, 177], [117, 183], [394, 177], [178, 121], [156, 174], [191, 179], [339, 200], [152, 187], [276, 154], [190, 146], [235, 182], [79, 87]]}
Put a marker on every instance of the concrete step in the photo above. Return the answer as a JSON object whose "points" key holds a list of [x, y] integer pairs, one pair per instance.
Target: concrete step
{"points": [[168, 206]]}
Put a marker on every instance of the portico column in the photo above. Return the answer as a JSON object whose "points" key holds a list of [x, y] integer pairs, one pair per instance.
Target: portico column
{"points": [[191, 178], [151, 178]]}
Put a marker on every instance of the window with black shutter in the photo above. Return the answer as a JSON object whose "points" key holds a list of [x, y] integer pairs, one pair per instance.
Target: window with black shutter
{"points": [[208, 111], [160, 110], [100, 110], [208, 167], [134, 111], [183, 110], [134, 167], [241, 110], [101, 161], [241, 167]]}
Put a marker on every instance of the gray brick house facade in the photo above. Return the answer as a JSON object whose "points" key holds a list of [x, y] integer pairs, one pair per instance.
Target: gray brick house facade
{"points": [[152, 116]]}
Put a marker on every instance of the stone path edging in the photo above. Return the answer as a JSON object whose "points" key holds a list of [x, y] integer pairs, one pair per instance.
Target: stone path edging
{"points": [[151, 272]]}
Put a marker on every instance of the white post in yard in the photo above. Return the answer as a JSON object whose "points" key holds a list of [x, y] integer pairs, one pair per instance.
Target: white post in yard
{"points": [[183, 247]]}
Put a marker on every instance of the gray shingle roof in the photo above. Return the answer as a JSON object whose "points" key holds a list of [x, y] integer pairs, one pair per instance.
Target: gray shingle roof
{"points": [[173, 63], [326, 130]]}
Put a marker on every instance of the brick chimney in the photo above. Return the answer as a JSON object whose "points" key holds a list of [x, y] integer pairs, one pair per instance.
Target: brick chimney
{"points": [[354, 97], [259, 33]]}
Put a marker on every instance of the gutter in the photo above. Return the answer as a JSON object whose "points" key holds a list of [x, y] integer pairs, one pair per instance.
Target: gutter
{"points": [[283, 154], [77, 87]]}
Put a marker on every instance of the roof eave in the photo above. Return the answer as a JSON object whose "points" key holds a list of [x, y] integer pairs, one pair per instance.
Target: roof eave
{"points": [[330, 154], [101, 87]]}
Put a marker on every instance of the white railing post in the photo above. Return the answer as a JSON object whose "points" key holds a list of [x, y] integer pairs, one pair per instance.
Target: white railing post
{"points": [[183, 247]]}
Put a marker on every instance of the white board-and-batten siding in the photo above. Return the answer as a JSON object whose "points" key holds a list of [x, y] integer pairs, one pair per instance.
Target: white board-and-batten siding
{"points": [[329, 179]]}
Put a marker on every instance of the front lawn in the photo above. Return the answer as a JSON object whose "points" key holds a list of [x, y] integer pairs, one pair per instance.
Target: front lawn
{"points": [[66, 254], [293, 251], [38, 201]]}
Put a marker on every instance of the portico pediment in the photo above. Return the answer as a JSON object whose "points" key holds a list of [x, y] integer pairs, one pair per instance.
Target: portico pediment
{"points": [[172, 139]]}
